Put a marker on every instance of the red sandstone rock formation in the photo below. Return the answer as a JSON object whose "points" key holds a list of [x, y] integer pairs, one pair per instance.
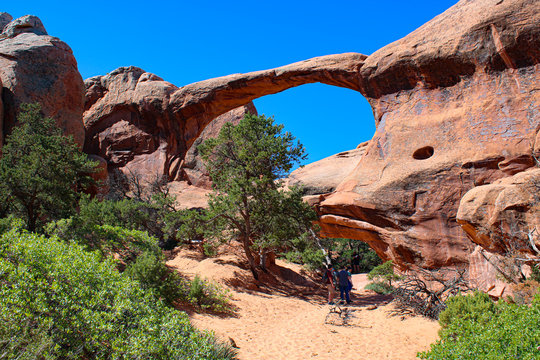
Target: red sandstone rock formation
{"points": [[455, 103], [456, 107], [324, 176], [129, 122], [137, 118], [192, 168], [36, 67], [504, 217]]}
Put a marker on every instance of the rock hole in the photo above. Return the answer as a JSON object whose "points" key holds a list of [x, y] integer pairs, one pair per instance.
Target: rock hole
{"points": [[423, 153]]}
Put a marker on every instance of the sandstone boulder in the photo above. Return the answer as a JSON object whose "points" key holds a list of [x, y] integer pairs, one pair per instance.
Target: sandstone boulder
{"points": [[35, 67], [25, 24], [503, 217], [5, 19]]}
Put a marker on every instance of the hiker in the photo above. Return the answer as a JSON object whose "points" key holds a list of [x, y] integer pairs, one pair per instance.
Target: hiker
{"points": [[355, 263], [349, 269], [345, 284], [328, 279]]}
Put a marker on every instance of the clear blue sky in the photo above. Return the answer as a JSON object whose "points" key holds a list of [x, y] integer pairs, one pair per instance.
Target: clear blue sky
{"points": [[185, 42]]}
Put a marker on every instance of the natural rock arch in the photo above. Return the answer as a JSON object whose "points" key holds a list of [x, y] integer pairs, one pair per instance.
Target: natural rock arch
{"points": [[462, 88]]}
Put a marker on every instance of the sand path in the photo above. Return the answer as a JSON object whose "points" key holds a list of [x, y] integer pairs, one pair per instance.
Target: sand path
{"points": [[273, 324]]}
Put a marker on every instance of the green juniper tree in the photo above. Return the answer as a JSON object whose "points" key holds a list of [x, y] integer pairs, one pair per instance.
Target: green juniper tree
{"points": [[41, 169], [245, 163]]}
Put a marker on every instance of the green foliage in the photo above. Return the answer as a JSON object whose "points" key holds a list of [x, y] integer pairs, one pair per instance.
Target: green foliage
{"points": [[477, 307], [11, 222], [535, 273], [474, 328], [305, 251], [153, 275], [384, 273], [109, 240], [41, 170], [380, 288], [382, 277], [58, 301], [207, 295], [245, 162], [153, 214]]}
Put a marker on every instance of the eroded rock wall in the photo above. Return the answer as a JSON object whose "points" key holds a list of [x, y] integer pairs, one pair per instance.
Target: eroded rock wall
{"points": [[36, 67], [457, 106]]}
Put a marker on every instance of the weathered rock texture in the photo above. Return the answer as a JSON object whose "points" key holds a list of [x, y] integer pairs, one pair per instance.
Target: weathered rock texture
{"points": [[36, 67], [504, 217], [127, 120], [5, 19], [130, 122], [456, 105], [324, 176]]}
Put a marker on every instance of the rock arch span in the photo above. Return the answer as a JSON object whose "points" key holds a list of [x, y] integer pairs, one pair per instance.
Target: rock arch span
{"points": [[463, 85]]}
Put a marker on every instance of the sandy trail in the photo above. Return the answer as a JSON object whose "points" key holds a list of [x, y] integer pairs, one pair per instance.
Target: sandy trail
{"points": [[284, 322]]}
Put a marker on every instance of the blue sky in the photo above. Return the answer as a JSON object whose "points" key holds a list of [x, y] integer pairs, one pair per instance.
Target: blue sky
{"points": [[185, 42]]}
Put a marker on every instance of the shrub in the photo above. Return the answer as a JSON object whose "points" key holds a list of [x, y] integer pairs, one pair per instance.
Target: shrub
{"points": [[380, 288], [58, 301], [153, 275], [384, 273], [110, 240], [10, 222], [475, 307], [474, 328], [207, 295]]}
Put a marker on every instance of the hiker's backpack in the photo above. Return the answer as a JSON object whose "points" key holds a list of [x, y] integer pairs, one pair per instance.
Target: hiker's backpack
{"points": [[325, 277], [343, 276]]}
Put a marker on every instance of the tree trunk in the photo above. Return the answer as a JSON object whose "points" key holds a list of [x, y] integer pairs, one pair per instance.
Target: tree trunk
{"points": [[262, 259], [31, 219], [247, 249]]}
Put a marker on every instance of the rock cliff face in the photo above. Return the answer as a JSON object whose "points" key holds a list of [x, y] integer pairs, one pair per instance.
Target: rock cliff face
{"points": [[457, 106], [135, 118], [130, 122], [36, 67]]}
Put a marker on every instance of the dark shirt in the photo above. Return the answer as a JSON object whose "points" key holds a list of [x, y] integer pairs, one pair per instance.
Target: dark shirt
{"points": [[343, 277]]}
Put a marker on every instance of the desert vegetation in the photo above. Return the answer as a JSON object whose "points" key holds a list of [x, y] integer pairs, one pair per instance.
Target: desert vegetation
{"points": [[83, 277]]}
